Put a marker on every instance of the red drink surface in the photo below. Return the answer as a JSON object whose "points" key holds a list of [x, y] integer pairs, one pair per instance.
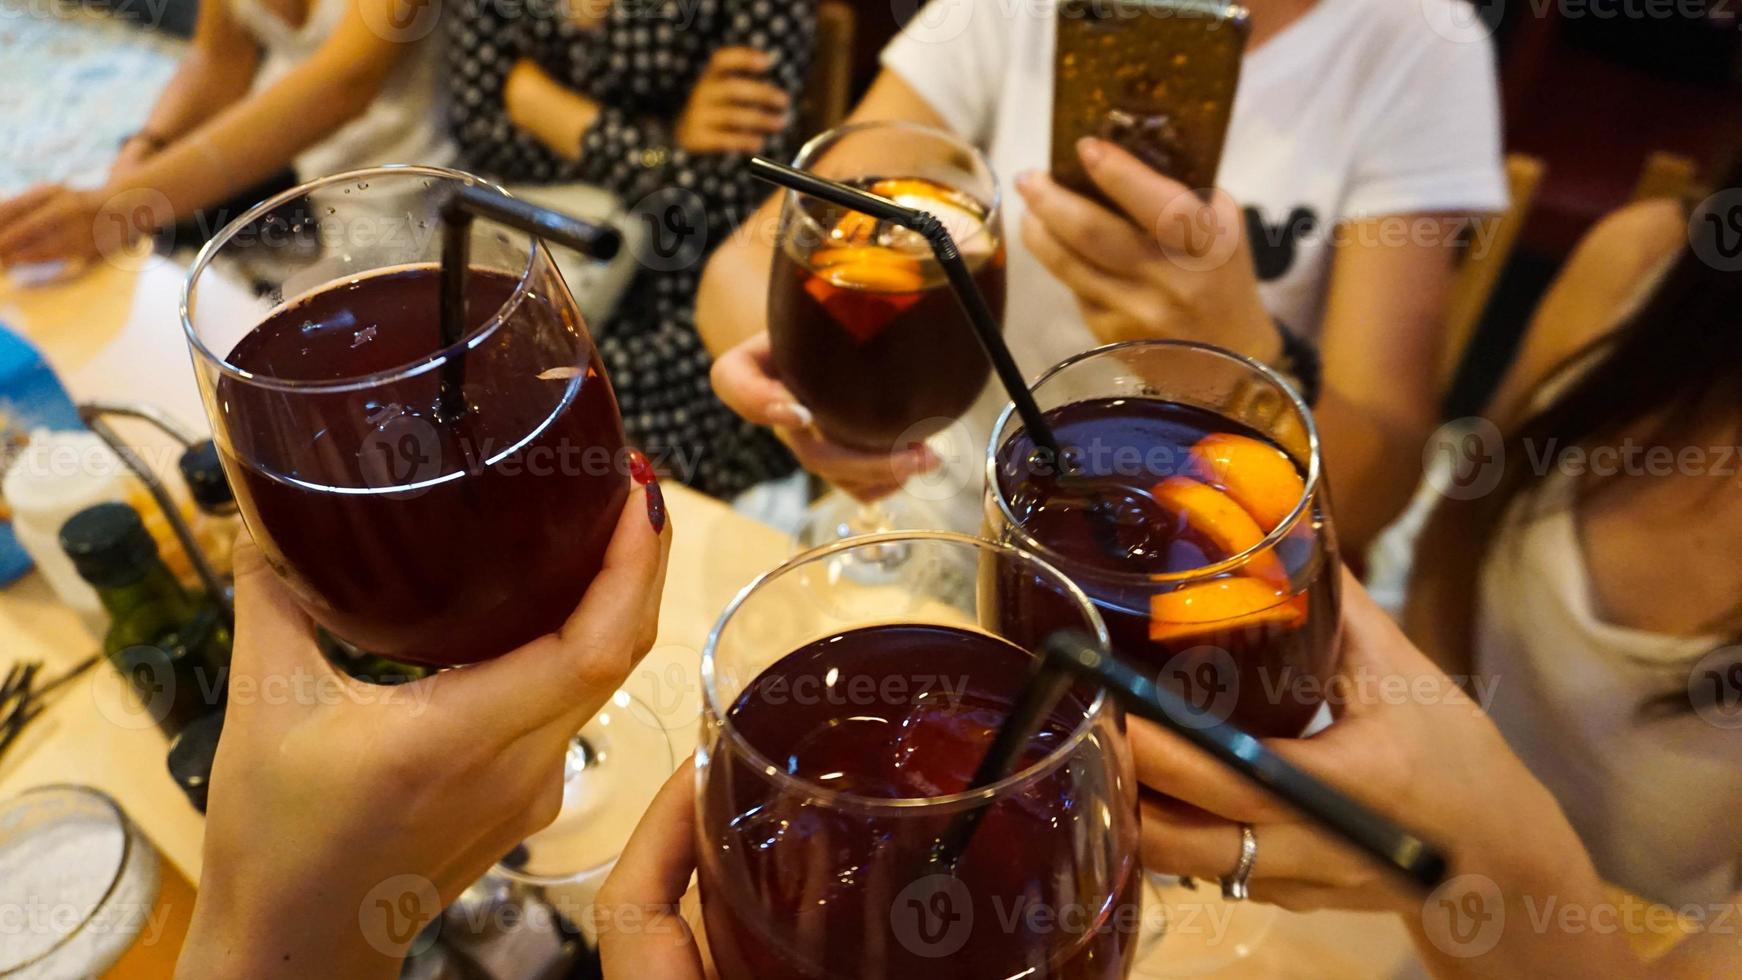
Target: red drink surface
{"points": [[1264, 671], [419, 539], [870, 337], [777, 865]]}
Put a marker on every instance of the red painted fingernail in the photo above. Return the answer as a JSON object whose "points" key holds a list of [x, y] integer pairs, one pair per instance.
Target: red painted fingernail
{"points": [[655, 507], [640, 470]]}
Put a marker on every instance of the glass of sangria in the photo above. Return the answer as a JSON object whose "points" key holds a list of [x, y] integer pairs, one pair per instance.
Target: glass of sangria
{"points": [[407, 534], [843, 724], [1189, 507], [864, 327], [404, 531]]}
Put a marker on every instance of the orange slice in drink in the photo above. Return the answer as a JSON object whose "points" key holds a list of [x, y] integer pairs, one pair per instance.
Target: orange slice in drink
{"points": [[1218, 607], [855, 228], [1215, 515], [1259, 476], [864, 286], [869, 267], [894, 187], [828, 258]]}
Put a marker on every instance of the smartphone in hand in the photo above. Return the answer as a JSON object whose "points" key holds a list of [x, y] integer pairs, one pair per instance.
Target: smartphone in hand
{"points": [[1156, 77]]}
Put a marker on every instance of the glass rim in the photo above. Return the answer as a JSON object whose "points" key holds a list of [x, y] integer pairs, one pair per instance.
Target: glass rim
{"points": [[813, 146], [122, 823], [1302, 506], [421, 364], [714, 716]]}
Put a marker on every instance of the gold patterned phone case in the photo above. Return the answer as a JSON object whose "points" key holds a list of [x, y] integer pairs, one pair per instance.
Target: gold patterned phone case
{"points": [[1156, 77]]}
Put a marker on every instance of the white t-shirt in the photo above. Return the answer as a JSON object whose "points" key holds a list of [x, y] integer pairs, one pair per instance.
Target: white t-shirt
{"points": [[1358, 109]]}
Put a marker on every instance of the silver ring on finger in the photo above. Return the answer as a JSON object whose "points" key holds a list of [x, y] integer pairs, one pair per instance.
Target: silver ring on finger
{"points": [[1234, 883]]}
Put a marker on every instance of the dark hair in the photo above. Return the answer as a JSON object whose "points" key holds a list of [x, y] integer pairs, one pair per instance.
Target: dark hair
{"points": [[1676, 357]]}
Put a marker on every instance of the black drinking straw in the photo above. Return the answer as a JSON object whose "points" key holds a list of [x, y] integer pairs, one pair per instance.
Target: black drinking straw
{"points": [[1384, 841], [456, 258], [1040, 694], [943, 246], [467, 201]]}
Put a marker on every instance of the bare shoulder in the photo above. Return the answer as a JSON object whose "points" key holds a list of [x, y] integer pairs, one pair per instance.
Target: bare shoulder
{"points": [[1606, 275], [1611, 267], [1630, 243]]}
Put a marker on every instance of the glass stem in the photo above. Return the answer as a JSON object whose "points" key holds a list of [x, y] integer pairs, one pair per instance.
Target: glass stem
{"points": [[870, 518], [581, 756]]}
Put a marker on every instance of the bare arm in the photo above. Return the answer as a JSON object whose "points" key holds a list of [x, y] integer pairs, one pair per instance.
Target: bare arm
{"points": [[1381, 342], [1616, 935], [732, 303], [256, 136], [1604, 275], [1698, 956], [553, 113], [217, 71]]}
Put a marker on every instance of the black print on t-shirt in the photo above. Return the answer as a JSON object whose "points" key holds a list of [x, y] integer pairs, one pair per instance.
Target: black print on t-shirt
{"points": [[1273, 246]]}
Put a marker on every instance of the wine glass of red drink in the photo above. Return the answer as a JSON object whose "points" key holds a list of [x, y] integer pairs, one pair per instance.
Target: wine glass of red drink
{"points": [[1190, 508], [843, 724], [864, 326], [410, 534], [406, 529]]}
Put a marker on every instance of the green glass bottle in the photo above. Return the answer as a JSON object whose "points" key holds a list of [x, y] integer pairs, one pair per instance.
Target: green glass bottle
{"points": [[366, 667], [210, 490], [173, 647]]}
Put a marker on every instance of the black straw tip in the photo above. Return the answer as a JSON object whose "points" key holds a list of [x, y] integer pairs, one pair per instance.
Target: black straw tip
{"points": [[607, 243], [596, 241]]}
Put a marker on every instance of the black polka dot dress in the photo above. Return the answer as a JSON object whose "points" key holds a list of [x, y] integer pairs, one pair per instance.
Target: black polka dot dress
{"points": [[639, 63]]}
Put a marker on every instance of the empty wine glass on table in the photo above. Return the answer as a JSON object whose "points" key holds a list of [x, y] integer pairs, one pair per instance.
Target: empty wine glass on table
{"points": [[426, 500], [1189, 507], [843, 726], [863, 325]]}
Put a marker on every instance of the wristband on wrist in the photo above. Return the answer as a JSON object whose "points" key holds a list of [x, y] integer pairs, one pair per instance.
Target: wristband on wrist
{"points": [[1300, 361]]}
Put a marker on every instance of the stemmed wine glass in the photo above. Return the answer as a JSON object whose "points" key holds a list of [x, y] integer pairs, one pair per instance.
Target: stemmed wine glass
{"points": [[842, 724], [1190, 509], [863, 324], [410, 531], [413, 536]]}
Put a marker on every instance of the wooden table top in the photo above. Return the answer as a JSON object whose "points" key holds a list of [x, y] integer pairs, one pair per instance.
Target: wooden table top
{"points": [[113, 333]]}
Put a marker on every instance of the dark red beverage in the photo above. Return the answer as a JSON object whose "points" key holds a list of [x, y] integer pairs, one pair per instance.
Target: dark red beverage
{"points": [[800, 884], [865, 329], [1157, 490], [414, 537]]}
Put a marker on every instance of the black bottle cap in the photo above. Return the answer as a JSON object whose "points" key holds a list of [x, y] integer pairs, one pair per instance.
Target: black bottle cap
{"points": [[108, 544], [205, 477], [191, 754]]}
